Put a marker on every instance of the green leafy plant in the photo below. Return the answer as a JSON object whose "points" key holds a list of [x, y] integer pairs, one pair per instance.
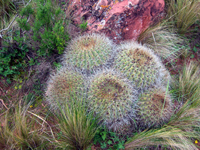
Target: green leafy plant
{"points": [[47, 27], [83, 26], [13, 59], [108, 139]]}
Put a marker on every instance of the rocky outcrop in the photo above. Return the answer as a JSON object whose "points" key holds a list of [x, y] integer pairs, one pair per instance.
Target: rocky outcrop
{"points": [[120, 20]]}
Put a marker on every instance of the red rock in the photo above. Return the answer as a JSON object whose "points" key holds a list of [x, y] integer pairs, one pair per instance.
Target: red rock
{"points": [[120, 20]]}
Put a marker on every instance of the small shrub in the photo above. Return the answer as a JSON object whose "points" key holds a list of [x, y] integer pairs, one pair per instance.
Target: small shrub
{"points": [[13, 60], [48, 32]]}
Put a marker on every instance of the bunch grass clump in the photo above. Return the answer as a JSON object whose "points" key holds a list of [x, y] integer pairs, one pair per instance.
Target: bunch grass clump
{"points": [[63, 85], [112, 97], [183, 14], [162, 40], [189, 80], [21, 130], [140, 65], [89, 51], [78, 127]]}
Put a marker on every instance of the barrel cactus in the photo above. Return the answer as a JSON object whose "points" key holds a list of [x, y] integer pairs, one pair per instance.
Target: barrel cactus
{"points": [[112, 97], [64, 85], [140, 65], [89, 52], [155, 107]]}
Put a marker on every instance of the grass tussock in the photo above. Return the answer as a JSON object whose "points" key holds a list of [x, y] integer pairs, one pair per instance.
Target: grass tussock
{"points": [[21, 130], [183, 13], [189, 80], [76, 126], [164, 42]]}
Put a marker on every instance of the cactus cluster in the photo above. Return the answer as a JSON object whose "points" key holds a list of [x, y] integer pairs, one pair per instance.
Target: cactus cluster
{"points": [[62, 85], [155, 107], [140, 65], [113, 89], [88, 52], [112, 97]]}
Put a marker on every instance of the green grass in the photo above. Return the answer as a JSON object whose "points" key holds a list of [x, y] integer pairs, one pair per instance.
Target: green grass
{"points": [[21, 129], [183, 14], [77, 127], [188, 81]]}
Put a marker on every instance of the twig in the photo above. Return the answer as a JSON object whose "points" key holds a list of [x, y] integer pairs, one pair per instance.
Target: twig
{"points": [[27, 3], [9, 24], [3, 103], [12, 21], [45, 122]]}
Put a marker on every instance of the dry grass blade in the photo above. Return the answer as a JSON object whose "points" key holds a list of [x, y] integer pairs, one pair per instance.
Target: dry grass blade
{"points": [[183, 13], [163, 41], [189, 80], [166, 136], [21, 130]]}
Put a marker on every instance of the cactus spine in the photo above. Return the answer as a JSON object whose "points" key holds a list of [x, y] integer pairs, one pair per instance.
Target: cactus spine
{"points": [[155, 107], [111, 97], [63, 85], [140, 65], [88, 51]]}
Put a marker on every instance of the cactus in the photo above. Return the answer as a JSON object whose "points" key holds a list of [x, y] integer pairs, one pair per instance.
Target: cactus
{"points": [[140, 65], [89, 51], [64, 85], [112, 97], [155, 107]]}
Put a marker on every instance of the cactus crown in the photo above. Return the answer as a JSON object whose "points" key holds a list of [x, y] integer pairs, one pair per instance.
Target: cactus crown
{"points": [[111, 96], [140, 65], [62, 85], [88, 52], [155, 107]]}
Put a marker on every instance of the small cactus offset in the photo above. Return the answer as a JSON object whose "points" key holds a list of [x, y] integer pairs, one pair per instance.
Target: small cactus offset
{"points": [[63, 85], [89, 51], [155, 107], [140, 65], [112, 97]]}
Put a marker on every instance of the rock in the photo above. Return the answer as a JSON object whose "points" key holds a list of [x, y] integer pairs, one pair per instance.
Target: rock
{"points": [[120, 20]]}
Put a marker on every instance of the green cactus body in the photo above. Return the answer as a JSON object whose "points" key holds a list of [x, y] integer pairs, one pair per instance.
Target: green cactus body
{"points": [[140, 65], [89, 51], [63, 86], [111, 96], [155, 107]]}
